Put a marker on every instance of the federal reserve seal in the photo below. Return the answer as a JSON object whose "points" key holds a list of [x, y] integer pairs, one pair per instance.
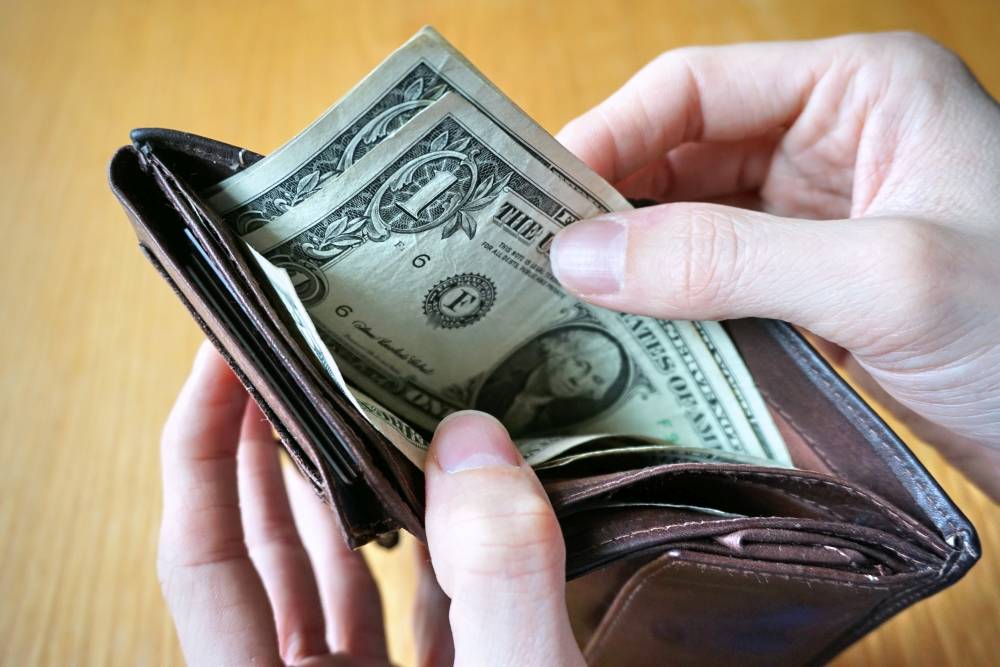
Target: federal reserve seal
{"points": [[459, 301]]}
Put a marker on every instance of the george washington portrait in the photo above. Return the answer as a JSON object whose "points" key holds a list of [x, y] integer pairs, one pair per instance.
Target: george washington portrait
{"points": [[561, 377]]}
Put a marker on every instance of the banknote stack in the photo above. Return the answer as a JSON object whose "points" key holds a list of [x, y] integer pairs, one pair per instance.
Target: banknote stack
{"points": [[406, 231]]}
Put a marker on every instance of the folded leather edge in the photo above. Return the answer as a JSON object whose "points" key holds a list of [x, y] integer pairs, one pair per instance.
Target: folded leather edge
{"points": [[357, 535], [954, 528], [374, 445]]}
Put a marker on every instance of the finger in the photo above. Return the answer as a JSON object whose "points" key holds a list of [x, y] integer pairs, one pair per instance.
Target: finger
{"points": [[275, 547], [348, 592], [215, 595], [430, 617], [726, 94], [853, 282], [704, 171], [496, 548]]}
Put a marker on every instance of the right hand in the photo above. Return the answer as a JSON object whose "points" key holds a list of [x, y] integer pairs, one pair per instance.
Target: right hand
{"points": [[887, 138]]}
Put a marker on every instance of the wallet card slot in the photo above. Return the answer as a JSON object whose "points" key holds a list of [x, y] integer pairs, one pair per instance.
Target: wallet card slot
{"points": [[747, 490], [301, 458], [254, 346], [203, 266], [711, 609], [229, 253], [599, 534], [160, 228]]}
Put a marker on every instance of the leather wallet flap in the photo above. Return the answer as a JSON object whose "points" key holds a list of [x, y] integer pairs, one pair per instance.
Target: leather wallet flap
{"points": [[232, 306]]}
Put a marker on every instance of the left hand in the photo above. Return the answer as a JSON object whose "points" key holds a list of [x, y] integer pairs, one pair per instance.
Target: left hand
{"points": [[241, 585], [253, 575]]}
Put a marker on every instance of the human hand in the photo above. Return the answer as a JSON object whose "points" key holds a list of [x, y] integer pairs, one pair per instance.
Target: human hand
{"points": [[255, 574], [886, 138]]}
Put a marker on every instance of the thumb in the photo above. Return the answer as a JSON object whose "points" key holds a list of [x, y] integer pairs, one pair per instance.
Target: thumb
{"points": [[845, 280], [496, 548]]}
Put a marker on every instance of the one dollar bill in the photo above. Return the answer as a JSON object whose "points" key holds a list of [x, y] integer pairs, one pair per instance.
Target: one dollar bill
{"points": [[414, 223]]}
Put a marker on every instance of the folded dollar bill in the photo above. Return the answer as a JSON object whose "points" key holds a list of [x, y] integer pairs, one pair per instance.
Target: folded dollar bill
{"points": [[407, 230]]}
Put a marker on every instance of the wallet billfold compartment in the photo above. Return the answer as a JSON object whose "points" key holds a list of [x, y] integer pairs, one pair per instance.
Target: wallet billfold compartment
{"points": [[705, 563]]}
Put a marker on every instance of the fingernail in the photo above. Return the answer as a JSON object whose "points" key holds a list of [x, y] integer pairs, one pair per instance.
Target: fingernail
{"points": [[588, 257], [467, 440]]}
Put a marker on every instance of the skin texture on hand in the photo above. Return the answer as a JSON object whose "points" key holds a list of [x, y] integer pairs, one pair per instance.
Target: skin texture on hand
{"points": [[233, 569], [497, 548], [255, 570], [872, 163], [887, 139]]}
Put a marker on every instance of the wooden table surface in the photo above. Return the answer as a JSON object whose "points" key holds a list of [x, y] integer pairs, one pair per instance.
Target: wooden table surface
{"points": [[94, 346]]}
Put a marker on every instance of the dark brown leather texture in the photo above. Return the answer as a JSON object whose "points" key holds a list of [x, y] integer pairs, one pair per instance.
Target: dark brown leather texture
{"points": [[795, 566]]}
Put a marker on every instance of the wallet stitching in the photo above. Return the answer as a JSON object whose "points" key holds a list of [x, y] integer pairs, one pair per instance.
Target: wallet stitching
{"points": [[930, 494], [810, 482], [650, 531], [818, 450], [753, 473], [806, 481], [894, 604], [787, 577], [627, 603], [825, 482], [881, 545], [621, 481], [903, 556], [873, 438], [841, 517], [803, 499], [674, 527], [906, 597], [802, 432], [835, 485]]}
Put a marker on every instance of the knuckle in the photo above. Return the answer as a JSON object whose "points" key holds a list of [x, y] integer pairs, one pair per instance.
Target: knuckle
{"points": [[519, 539], [298, 640], [274, 532], [912, 249], [914, 261], [712, 250], [918, 43], [925, 53], [678, 57], [904, 56]]}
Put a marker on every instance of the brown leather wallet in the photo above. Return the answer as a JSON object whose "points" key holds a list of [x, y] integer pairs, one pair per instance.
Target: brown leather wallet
{"points": [[795, 566]]}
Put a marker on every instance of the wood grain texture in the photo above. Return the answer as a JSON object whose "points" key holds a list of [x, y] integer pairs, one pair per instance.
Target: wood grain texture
{"points": [[94, 346]]}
